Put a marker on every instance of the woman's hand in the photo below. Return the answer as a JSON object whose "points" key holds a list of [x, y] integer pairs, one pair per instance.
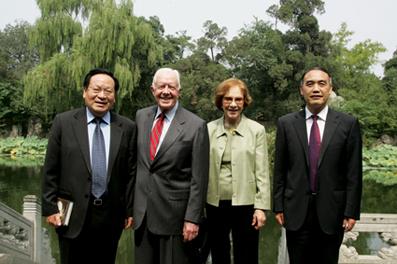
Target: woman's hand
{"points": [[258, 219]]}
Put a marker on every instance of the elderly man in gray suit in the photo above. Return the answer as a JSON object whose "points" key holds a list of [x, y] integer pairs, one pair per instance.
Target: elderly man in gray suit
{"points": [[172, 176]]}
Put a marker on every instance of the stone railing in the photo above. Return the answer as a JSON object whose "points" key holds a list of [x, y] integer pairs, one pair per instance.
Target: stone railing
{"points": [[384, 225], [22, 238]]}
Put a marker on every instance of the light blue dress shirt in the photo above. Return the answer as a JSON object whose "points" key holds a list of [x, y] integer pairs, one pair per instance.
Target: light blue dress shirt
{"points": [[105, 127]]}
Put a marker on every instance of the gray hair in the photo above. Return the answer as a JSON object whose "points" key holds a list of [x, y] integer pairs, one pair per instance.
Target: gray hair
{"points": [[167, 70]]}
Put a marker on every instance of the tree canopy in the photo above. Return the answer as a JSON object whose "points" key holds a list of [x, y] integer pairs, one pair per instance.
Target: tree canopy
{"points": [[73, 36]]}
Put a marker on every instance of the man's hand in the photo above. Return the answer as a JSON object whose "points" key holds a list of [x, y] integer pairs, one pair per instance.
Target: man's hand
{"points": [[128, 222], [348, 224], [190, 231], [280, 218], [258, 219], [54, 220]]}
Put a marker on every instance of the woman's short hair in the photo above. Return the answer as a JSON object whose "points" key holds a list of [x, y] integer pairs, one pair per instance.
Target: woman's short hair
{"points": [[224, 87]]}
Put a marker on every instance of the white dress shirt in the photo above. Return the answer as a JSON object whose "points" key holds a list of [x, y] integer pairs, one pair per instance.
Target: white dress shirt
{"points": [[321, 118], [169, 116]]}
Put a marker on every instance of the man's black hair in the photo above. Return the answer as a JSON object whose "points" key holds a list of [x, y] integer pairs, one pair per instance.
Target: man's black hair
{"points": [[318, 68], [96, 71]]}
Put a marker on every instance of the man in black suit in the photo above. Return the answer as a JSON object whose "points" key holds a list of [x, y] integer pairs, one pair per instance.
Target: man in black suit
{"points": [[172, 176], [98, 181], [318, 174]]}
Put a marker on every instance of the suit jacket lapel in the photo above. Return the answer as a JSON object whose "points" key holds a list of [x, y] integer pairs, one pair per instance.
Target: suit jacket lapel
{"points": [[331, 124], [173, 132], [300, 126], [116, 133], [81, 134]]}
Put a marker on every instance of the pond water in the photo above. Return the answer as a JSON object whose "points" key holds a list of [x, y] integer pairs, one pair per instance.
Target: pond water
{"points": [[18, 181]]}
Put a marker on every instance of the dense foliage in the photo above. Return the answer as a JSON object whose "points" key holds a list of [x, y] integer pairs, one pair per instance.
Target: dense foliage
{"points": [[22, 152], [19, 146], [42, 66], [380, 164], [73, 36], [16, 59]]}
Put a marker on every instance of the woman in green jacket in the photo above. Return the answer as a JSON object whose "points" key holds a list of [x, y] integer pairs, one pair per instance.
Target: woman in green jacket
{"points": [[238, 188]]}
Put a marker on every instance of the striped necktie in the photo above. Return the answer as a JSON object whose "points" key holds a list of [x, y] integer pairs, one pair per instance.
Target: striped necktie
{"points": [[155, 135]]}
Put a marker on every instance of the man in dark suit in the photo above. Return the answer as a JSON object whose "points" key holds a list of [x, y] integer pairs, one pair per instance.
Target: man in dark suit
{"points": [[318, 174], [172, 175], [91, 160]]}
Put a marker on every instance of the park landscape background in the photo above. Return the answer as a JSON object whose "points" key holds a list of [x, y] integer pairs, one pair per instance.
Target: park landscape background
{"points": [[42, 66]]}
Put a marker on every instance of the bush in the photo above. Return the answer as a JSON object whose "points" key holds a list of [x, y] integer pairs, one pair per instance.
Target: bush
{"points": [[380, 164], [19, 146]]}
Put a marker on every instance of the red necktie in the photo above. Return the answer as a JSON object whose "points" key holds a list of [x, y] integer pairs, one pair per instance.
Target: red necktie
{"points": [[155, 135], [314, 153]]}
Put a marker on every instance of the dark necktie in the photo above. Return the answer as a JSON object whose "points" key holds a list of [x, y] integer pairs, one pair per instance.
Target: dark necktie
{"points": [[155, 135], [98, 153], [314, 153]]}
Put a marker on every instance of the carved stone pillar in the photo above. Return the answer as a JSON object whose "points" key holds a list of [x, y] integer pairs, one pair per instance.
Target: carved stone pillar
{"points": [[32, 212]]}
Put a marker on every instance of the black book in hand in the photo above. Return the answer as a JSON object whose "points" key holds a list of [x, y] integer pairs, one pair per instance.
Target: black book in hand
{"points": [[65, 207]]}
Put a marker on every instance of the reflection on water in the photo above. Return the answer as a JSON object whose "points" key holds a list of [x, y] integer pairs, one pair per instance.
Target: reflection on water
{"points": [[16, 182]]}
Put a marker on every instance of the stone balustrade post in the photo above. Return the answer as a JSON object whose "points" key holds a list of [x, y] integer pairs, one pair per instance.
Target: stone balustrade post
{"points": [[32, 212], [282, 248]]}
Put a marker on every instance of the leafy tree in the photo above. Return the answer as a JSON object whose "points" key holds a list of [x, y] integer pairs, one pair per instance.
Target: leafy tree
{"points": [[16, 55], [291, 12], [272, 62], [359, 86], [370, 105], [257, 56], [304, 35], [389, 82], [178, 46], [390, 75], [214, 40], [74, 36], [357, 60], [301, 47], [16, 58], [12, 110], [200, 73], [174, 47], [199, 78]]}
